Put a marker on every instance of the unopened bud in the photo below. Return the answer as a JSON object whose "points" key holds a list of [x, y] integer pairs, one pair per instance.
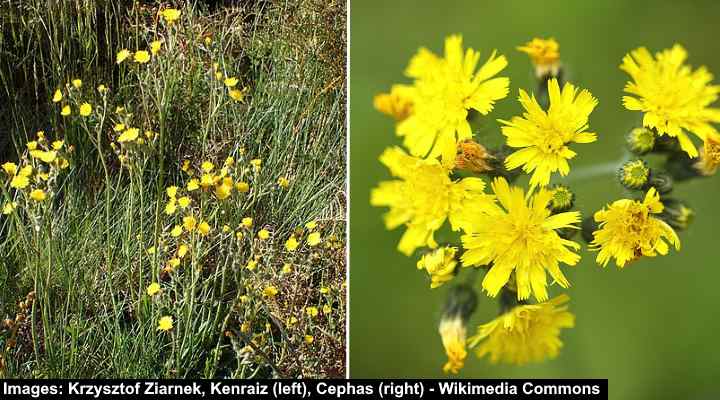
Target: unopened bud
{"points": [[677, 214], [634, 174], [562, 200], [661, 181], [640, 140]]}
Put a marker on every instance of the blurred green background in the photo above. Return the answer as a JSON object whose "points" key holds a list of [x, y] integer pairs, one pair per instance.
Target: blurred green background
{"points": [[651, 329]]}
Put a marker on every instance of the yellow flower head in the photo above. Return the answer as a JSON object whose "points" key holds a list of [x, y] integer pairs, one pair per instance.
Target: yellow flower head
{"points": [[312, 311], [283, 182], [44, 156], [309, 339], [247, 222], [543, 137], [526, 333], [9, 207], [170, 207], [85, 109], [291, 244], [77, 83], [182, 250], [520, 235], [207, 166], [193, 184], [189, 223], [122, 55], [264, 234], [141, 56], [10, 168], [444, 90], [176, 231], [311, 225], [57, 96], [153, 289], [396, 104], [171, 191], [155, 46], [204, 228], [231, 82], [165, 323], [38, 195], [19, 182], [440, 265], [424, 197], [223, 191], [256, 163], [287, 268], [314, 239], [673, 97], [65, 111], [184, 201], [629, 230], [544, 54], [709, 160], [242, 187], [270, 291], [237, 95], [453, 333], [170, 15]]}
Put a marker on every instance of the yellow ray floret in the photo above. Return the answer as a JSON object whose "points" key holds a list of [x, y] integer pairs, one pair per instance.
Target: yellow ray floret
{"points": [[628, 230], [423, 197], [520, 235], [543, 137], [444, 90], [526, 333], [673, 97]]}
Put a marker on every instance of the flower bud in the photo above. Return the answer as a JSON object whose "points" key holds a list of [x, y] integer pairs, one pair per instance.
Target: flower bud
{"points": [[640, 140], [661, 181], [588, 227], [677, 214], [634, 174], [460, 304], [563, 199], [440, 264]]}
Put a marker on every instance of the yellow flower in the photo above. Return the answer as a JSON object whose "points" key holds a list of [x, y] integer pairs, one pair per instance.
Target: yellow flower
{"points": [[231, 82], [9, 207], [544, 54], [673, 97], [324, 290], [291, 244], [204, 228], [311, 225], [153, 289], [223, 191], [709, 160], [155, 46], [151, 250], [182, 250], [184, 201], [544, 136], [77, 83], [170, 15], [238, 235], [309, 339], [19, 182], [287, 268], [396, 104], [453, 333], [283, 182], [440, 265], [237, 95], [57, 96], [264, 234], [245, 327], [141, 56], [327, 309], [628, 230], [313, 239], [247, 222], [10, 168], [229, 162], [65, 111], [207, 166], [170, 207], [520, 235], [207, 180], [526, 333], [85, 109], [251, 265], [176, 231], [424, 197], [242, 187], [122, 55], [270, 291], [171, 191], [256, 163], [173, 262], [311, 311], [445, 89], [45, 156], [38, 195], [165, 323], [189, 223], [58, 144], [129, 135], [193, 184], [119, 127], [102, 89]]}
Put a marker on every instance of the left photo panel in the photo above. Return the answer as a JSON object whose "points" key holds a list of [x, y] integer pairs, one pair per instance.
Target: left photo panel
{"points": [[173, 189]]}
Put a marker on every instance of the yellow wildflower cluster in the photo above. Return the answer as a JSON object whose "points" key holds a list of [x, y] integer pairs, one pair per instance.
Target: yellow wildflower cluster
{"points": [[518, 237]]}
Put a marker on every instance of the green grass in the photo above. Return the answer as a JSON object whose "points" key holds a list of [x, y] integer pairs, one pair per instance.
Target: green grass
{"points": [[82, 254]]}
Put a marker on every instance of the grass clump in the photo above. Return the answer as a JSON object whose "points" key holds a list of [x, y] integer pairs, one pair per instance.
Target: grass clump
{"points": [[172, 190]]}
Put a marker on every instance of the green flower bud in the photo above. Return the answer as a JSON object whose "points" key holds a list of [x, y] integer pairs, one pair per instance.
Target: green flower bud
{"points": [[640, 140], [677, 214], [661, 181], [461, 302], [563, 199], [587, 228], [634, 174]]}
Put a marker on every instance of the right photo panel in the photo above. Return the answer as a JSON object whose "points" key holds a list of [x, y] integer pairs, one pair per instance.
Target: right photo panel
{"points": [[534, 192]]}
